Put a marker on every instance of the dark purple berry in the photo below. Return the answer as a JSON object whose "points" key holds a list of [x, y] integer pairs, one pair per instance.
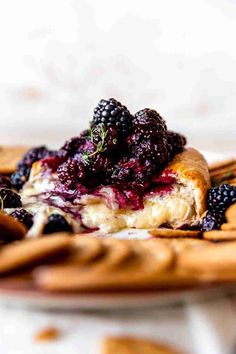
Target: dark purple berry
{"points": [[9, 199], [152, 151], [72, 146], [24, 216], [176, 143], [113, 114], [212, 221], [130, 173], [19, 177], [99, 163], [5, 182], [56, 223], [71, 172], [220, 198], [33, 155], [149, 124], [85, 134]]}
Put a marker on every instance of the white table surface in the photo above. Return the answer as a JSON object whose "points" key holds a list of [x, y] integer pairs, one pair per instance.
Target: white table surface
{"points": [[200, 328]]}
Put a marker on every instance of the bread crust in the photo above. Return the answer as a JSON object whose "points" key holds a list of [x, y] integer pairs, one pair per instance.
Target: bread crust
{"points": [[192, 171]]}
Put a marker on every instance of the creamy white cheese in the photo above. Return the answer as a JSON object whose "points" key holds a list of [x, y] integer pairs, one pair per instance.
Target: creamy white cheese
{"points": [[175, 208]]}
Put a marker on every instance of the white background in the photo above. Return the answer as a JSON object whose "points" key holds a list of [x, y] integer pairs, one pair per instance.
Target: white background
{"points": [[59, 57]]}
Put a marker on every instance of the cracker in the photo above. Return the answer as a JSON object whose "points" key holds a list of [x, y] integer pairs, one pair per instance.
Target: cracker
{"points": [[224, 173], [229, 226], [150, 260], [117, 252], [32, 251], [220, 235], [10, 156], [231, 214], [181, 244], [132, 345], [214, 258], [86, 249], [221, 164], [11, 229], [47, 334], [174, 233]]}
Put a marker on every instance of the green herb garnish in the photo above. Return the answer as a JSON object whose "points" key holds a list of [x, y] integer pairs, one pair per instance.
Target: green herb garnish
{"points": [[100, 147]]}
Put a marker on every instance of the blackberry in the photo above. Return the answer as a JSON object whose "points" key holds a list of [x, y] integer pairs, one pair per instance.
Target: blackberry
{"points": [[176, 143], [5, 182], [133, 139], [19, 177], [212, 220], [221, 197], [56, 223], [149, 124], [113, 114], [72, 146], [99, 163], [156, 152], [70, 172], [105, 138], [24, 216], [33, 155], [85, 134], [132, 174], [9, 198]]}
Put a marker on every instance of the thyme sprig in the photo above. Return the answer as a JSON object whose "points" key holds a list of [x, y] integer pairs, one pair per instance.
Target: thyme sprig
{"points": [[100, 146]]}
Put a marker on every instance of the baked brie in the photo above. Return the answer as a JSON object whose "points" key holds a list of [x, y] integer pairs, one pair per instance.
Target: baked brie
{"points": [[125, 172], [178, 199]]}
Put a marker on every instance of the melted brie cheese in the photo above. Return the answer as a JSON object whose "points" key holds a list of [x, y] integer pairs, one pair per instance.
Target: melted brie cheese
{"points": [[175, 208], [102, 212]]}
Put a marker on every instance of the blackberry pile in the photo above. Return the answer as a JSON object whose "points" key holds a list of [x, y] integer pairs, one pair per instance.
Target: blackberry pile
{"points": [[118, 149], [219, 199]]}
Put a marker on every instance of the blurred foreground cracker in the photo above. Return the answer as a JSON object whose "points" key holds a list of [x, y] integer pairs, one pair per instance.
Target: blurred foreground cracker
{"points": [[231, 214], [10, 156], [148, 259], [11, 229], [117, 252], [107, 253], [216, 258], [132, 345], [220, 235], [169, 233], [85, 249], [182, 244], [228, 226], [31, 251]]}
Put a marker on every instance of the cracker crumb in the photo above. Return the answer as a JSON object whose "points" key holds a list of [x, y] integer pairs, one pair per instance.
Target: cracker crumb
{"points": [[47, 334]]}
